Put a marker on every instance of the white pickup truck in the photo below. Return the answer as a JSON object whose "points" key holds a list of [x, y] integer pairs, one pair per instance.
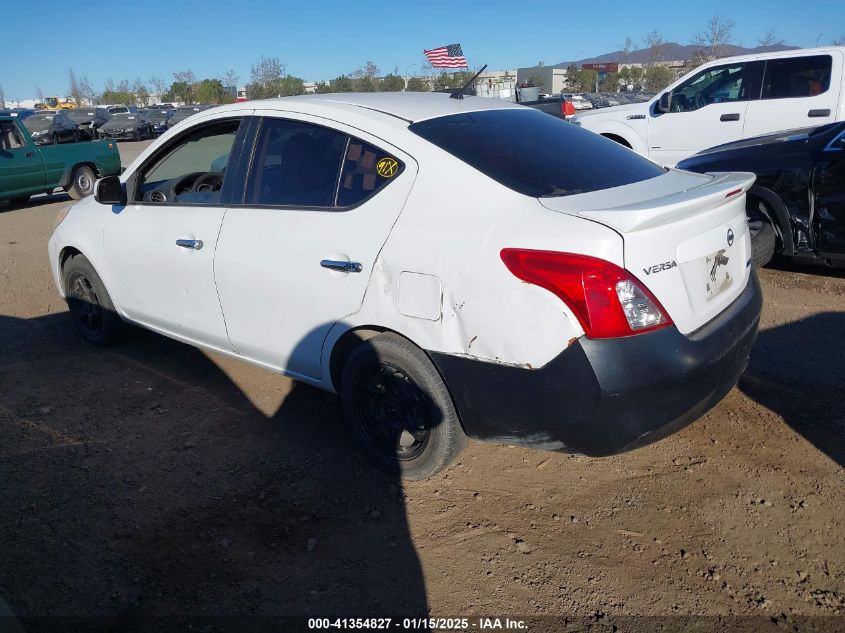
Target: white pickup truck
{"points": [[727, 100]]}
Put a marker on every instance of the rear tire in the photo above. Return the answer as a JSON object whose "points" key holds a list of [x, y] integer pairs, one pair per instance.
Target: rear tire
{"points": [[399, 408], [82, 182], [89, 303]]}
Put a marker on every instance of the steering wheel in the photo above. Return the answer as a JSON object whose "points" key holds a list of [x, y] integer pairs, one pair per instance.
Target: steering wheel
{"points": [[186, 182], [209, 181]]}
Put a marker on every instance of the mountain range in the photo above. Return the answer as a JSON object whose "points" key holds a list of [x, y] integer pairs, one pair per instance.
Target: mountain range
{"points": [[672, 51]]}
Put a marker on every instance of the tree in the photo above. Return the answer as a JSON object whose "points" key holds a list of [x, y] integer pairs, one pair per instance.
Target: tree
{"points": [[230, 79], [417, 84], [713, 40], [839, 42], [75, 91], [365, 79], [186, 80], [769, 39], [392, 83], [610, 82], [658, 77], [87, 91], [343, 84], [142, 94], [266, 77], [2, 98], [158, 86], [322, 88]]}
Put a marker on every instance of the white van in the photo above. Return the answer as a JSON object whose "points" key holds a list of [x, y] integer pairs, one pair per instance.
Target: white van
{"points": [[729, 99]]}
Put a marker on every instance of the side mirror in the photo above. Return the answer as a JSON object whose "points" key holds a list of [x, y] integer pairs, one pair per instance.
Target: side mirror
{"points": [[110, 191], [665, 102]]}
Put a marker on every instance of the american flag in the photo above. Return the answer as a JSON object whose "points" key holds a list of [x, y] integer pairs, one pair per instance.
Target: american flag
{"points": [[447, 57]]}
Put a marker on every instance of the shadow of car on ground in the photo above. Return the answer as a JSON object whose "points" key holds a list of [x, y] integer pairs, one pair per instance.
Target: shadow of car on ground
{"points": [[141, 481]]}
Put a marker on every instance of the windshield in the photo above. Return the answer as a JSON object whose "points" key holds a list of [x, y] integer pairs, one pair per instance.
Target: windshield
{"points": [[39, 121], [156, 115], [81, 115], [124, 117], [536, 154]]}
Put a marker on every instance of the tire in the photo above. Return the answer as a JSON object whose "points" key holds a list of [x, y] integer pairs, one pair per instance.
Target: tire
{"points": [[82, 182], [763, 240], [90, 306], [763, 235], [389, 388]]}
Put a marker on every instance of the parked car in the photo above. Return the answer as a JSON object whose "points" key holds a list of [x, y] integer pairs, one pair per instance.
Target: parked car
{"points": [[89, 120], [578, 101], [797, 206], [559, 107], [158, 119], [21, 113], [582, 298], [27, 169], [53, 127], [730, 99], [183, 113], [613, 99], [597, 101], [127, 127]]}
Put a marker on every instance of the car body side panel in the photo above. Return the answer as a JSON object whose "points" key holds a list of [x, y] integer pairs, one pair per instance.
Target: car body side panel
{"points": [[487, 313]]}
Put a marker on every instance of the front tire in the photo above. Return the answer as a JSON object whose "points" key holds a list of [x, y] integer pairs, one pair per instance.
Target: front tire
{"points": [[763, 236], [89, 303], [82, 182], [399, 408]]}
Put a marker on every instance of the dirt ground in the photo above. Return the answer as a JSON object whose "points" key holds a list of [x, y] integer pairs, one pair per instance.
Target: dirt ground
{"points": [[155, 479]]}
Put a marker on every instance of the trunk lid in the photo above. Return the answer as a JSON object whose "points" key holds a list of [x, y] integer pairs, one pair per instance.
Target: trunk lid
{"points": [[685, 238]]}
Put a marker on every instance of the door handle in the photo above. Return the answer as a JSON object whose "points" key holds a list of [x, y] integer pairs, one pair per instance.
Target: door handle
{"points": [[729, 117], [344, 267], [194, 244], [818, 113]]}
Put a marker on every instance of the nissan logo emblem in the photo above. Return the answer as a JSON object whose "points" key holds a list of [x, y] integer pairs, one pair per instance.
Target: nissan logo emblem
{"points": [[730, 237]]}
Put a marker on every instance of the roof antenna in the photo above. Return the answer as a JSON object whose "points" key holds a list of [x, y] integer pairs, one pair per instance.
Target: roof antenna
{"points": [[458, 93]]}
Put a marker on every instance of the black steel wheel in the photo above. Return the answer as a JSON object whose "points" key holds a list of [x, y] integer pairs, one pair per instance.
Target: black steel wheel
{"points": [[399, 409], [90, 306]]}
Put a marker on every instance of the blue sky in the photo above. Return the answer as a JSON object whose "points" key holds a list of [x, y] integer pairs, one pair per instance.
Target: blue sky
{"points": [[316, 39]]}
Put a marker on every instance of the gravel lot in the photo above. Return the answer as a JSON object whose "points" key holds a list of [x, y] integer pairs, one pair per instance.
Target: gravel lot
{"points": [[155, 479]]}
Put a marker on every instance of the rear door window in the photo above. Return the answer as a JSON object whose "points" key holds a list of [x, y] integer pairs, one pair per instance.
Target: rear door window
{"points": [[295, 164], [797, 77], [536, 154]]}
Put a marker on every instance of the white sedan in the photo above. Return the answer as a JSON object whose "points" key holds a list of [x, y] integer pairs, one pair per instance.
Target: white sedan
{"points": [[452, 267]]}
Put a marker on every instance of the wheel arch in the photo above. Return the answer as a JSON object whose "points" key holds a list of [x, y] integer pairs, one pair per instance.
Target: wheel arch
{"points": [[64, 255], [780, 222], [67, 176], [617, 139]]}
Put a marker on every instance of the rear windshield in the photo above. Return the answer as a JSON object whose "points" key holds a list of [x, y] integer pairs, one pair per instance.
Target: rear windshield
{"points": [[535, 153]]}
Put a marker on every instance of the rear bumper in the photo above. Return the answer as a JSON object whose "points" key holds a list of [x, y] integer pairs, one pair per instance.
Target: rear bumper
{"points": [[600, 397]]}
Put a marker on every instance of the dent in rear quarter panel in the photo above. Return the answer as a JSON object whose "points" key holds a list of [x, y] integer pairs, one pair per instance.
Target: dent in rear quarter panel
{"points": [[453, 227]]}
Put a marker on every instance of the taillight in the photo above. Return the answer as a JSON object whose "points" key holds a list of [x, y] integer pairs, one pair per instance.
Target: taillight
{"points": [[567, 108], [608, 301]]}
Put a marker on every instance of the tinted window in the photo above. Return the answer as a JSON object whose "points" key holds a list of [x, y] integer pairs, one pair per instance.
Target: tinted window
{"points": [[366, 169], [295, 164], [536, 154], [797, 77]]}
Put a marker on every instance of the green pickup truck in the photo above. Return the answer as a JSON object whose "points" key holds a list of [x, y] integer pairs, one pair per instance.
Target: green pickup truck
{"points": [[27, 169]]}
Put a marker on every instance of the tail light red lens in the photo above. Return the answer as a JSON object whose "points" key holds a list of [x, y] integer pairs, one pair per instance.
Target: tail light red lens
{"points": [[567, 108], [607, 300]]}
